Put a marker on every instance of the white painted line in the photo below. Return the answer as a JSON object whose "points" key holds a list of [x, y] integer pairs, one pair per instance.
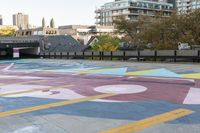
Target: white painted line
{"points": [[8, 67], [193, 96]]}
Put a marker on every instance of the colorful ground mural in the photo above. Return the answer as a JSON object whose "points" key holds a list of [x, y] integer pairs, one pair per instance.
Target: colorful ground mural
{"points": [[68, 96]]}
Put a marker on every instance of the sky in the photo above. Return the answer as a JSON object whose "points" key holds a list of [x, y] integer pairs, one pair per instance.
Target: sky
{"points": [[64, 12]]}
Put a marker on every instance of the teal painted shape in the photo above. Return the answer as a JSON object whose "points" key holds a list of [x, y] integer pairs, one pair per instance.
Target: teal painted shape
{"points": [[11, 61], [114, 71], [75, 70], [163, 73]]}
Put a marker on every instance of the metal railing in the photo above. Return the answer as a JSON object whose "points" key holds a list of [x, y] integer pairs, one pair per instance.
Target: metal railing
{"points": [[18, 39], [152, 55]]}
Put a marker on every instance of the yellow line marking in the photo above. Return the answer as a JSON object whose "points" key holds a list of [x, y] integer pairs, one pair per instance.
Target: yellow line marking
{"points": [[192, 75], [152, 121], [34, 90], [25, 82], [140, 73], [52, 105]]}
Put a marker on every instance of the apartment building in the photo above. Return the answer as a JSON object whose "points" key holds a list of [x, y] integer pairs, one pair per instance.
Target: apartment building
{"points": [[187, 6], [131, 9]]}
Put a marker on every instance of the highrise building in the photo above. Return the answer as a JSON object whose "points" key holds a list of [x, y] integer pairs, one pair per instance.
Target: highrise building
{"points": [[131, 10], [43, 23], [21, 20], [1, 20], [52, 23], [187, 6]]}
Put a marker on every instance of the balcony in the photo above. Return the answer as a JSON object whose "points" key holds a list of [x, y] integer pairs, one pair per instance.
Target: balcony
{"points": [[98, 11], [97, 17], [121, 13], [97, 22]]}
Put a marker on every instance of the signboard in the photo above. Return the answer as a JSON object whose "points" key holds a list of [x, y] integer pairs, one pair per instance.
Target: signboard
{"points": [[15, 52]]}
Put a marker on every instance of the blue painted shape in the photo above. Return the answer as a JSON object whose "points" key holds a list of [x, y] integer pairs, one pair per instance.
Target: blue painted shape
{"points": [[163, 73], [133, 110], [115, 71]]}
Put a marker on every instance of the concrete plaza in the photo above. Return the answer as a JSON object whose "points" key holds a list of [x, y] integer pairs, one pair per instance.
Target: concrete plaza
{"points": [[81, 96]]}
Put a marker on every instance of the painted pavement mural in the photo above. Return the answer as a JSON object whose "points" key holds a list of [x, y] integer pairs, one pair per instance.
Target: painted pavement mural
{"points": [[100, 90]]}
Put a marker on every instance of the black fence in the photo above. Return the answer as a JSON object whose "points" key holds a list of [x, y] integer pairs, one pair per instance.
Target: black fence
{"points": [[151, 55]]}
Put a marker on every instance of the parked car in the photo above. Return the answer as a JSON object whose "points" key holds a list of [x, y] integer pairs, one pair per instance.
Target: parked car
{"points": [[183, 46]]}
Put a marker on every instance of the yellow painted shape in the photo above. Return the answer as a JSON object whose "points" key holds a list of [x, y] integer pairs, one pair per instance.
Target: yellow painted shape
{"points": [[34, 90], [52, 105], [24, 82], [141, 72], [149, 122], [193, 76]]}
